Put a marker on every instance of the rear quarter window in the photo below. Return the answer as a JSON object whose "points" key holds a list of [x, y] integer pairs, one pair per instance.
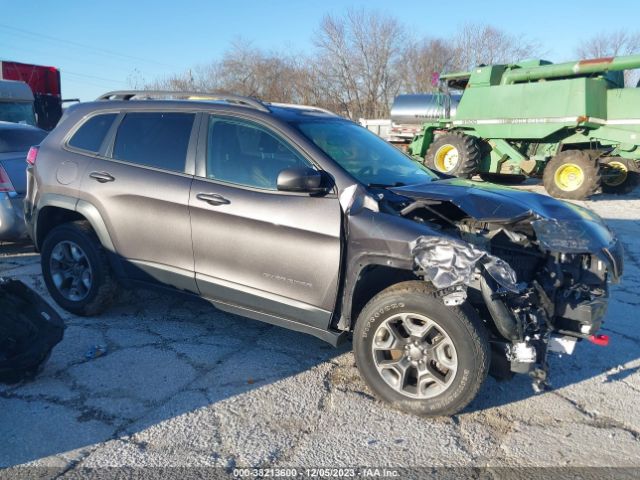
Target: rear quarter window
{"points": [[156, 139], [90, 135]]}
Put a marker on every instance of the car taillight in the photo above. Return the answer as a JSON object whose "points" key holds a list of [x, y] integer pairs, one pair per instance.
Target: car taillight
{"points": [[32, 155], [5, 183]]}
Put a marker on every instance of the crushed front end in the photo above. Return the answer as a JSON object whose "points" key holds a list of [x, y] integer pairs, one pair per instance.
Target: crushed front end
{"points": [[538, 276]]}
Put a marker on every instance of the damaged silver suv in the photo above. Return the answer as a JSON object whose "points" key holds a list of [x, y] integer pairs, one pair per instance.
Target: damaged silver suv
{"points": [[294, 216]]}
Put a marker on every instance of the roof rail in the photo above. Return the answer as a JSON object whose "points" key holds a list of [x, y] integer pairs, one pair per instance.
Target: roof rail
{"points": [[304, 107], [180, 95]]}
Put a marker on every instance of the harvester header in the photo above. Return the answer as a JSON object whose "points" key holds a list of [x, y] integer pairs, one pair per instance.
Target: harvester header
{"points": [[570, 69]]}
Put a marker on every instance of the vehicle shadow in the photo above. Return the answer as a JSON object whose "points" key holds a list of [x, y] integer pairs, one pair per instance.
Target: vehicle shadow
{"points": [[154, 358]]}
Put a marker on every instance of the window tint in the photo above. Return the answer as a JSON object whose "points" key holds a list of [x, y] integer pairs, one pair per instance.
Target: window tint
{"points": [[248, 155], [155, 139], [20, 139], [91, 134]]}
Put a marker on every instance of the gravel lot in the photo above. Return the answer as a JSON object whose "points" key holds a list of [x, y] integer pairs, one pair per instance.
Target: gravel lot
{"points": [[185, 385]]}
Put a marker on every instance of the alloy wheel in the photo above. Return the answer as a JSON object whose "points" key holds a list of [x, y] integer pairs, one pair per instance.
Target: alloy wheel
{"points": [[71, 271], [414, 355]]}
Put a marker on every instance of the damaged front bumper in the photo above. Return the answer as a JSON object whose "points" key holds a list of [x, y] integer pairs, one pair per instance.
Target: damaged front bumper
{"points": [[563, 302]]}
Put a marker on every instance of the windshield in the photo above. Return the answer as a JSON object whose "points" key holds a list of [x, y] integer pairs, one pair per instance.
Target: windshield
{"points": [[17, 112], [363, 154]]}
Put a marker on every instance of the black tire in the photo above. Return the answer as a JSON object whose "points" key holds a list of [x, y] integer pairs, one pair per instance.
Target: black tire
{"points": [[103, 286], [587, 176], [618, 175], [502, 178], [469, 154], [461, 324]]}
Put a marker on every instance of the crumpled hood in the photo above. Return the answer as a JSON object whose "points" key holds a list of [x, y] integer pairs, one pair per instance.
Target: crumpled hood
{"points": [[489, 202], [560, 226]]}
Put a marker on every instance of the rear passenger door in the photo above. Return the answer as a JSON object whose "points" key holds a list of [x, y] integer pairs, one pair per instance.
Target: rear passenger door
{"points": [[271, 252], [140, 185]]}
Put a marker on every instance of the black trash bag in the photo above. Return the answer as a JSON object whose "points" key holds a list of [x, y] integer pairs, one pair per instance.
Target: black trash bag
{"points": [[29, 329]]}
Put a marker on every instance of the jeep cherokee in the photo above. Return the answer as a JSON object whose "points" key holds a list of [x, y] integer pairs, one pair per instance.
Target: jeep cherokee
{"points": [[297, 217]]}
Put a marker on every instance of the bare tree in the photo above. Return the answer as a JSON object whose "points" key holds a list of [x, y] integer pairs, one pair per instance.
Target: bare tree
{"points": [[357, 53], [361, 62], [613, 45], [422, 60], [609, 45], [477, 44]]}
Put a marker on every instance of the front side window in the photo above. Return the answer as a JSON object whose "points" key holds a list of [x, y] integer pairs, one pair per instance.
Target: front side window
{"points": [[90, 135], [155, 139], [248, 155]]}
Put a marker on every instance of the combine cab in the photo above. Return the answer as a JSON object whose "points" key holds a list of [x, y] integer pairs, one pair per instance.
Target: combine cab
{"points": [[573, 124]]}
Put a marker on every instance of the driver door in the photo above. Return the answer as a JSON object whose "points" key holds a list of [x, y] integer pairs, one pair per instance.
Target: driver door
{"points": [[272, 252]]}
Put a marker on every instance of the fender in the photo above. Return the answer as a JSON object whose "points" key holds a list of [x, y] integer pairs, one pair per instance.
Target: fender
{"points": [[84, 208], [375, 238], [354, 271]]}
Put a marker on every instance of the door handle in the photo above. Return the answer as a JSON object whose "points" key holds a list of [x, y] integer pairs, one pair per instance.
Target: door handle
{"points": [[212, 199], [102, 177]]}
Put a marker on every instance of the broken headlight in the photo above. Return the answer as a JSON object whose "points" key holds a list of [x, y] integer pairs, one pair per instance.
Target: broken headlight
{"points": [[571, 236], [502, 273]]}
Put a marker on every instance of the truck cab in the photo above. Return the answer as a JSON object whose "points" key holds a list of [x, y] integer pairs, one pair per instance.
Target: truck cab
{"points": [[16, 103]]}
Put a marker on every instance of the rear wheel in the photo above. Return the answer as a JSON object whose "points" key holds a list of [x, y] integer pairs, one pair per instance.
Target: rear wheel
{"points": [[572, 174], [419, 355], [454, 153], [76, 269], [618, 176]]}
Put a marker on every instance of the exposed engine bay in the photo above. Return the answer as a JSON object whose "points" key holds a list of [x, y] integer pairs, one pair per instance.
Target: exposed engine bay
{"points": [[539, 279]]}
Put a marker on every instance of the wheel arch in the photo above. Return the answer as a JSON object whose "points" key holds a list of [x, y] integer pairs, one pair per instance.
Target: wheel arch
{"points": [[54, 210], [370, 276]]}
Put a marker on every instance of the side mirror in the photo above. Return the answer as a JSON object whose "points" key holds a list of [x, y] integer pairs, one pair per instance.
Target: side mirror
{"points": [[301, 179]]}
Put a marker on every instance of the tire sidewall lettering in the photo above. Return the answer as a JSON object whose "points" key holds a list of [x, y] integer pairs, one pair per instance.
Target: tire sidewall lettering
{"points": [[376, 316]]}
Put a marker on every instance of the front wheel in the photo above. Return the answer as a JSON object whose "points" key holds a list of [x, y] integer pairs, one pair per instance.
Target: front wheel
{"points": [[419, 355]]}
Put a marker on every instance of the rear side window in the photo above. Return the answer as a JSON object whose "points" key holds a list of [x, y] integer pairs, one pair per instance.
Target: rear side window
{"points": [[155, 139], [91, 134]]}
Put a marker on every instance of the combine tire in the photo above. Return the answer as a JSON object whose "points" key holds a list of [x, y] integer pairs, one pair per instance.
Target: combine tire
{"points": [[572, 174], [505, 179], [618, 175], [454, 153]]}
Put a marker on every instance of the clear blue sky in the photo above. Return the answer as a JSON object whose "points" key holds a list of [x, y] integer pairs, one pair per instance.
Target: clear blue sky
{"points": [[99, 46]]}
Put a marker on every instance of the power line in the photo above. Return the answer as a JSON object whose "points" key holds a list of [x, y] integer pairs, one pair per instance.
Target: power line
{"points": [[59, 55], [67, 72], [87, 47], [84, 82]]}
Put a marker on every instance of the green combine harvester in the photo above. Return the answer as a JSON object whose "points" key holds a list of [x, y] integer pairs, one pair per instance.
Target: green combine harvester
{"points": [[574, 124]]}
